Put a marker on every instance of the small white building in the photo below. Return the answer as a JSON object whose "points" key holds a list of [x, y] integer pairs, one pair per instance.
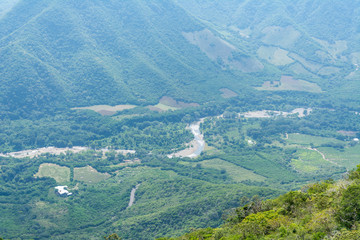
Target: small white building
{"points": [[62, 191]]}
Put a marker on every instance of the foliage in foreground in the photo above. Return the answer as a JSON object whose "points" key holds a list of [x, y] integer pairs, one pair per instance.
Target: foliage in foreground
{"points": [[326, 210]]}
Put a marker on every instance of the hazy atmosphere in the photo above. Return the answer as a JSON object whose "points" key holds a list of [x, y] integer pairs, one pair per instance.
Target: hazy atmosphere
{"points": [[179, 119]]}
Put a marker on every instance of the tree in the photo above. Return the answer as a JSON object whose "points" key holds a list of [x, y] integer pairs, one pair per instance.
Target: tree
{"points": [[113, 236]]}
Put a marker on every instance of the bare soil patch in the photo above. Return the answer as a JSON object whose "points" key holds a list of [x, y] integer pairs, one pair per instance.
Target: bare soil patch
{"points": [[300, 112]]}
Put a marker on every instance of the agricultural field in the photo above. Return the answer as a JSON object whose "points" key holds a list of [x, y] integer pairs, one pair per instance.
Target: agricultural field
{"points": [[59, 173], [89, 175], [237, 173], [348, 157], [307, 140], [168, 103], [280, 36], [311, 161], [160, 107], [290, 84]]}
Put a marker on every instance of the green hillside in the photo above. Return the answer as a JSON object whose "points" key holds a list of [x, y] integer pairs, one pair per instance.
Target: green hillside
{"points": [[58, 54], [326, 210]]}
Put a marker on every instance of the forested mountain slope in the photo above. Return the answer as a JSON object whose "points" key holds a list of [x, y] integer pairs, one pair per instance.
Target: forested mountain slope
{"points": [[68, 54], [60, 54]]}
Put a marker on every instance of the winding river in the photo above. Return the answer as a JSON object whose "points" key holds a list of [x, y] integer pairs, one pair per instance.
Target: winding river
{"points": [[196, 146]]}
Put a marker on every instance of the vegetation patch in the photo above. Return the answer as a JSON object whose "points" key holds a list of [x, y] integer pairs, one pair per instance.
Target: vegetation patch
{"points": [[290, 84], [326, 71], [309, 65], [347, 133], [349, 157], [237, 173], [106, 110], [59, 173], [89, 174], [309, 161], [227, 93], [325, 210], [297, 68], [307, 140]]}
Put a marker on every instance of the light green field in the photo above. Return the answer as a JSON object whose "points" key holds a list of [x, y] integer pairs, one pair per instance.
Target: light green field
{"points": [[167, 103], [306, 140], [297, 68], [349, 157], [309, 161], [237, 173], [164, 107], [288, 83], [59, 173], [106, 109], [328, 71], [274, 55], [89, 175]]}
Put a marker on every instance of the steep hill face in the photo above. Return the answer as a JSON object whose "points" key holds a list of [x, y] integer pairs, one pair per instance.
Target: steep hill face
{"points": [[58, 54], [66, 53], [314, 40], [326, 210]]}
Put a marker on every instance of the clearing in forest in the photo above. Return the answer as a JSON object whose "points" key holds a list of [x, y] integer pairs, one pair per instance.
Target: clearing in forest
{"points": [[274, 55], [347, 157], [288, 83], [227, 93], [106, 110], [221, 51], [311, 161], [59, 173], [306, 140], [280, 36], [168, 103], [89, 174]]}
